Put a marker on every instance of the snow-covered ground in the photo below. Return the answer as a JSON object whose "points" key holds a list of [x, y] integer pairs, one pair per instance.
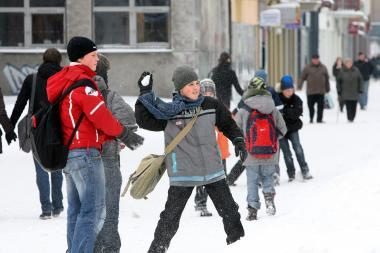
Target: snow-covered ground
{"points": [[337, 211]]}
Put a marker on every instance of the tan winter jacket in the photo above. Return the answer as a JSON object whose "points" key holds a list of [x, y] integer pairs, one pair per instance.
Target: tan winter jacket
{"points": [[317, 78]]}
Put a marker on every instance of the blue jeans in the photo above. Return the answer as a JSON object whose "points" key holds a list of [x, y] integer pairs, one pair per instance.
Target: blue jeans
{"points": [[294, 138], [85, 181], [363, 98], [43, 184], [108, 239], [256, 174]]}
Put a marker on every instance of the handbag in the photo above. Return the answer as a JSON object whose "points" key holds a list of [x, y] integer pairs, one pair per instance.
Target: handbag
{"points": [[25, 124], [151, 168]]}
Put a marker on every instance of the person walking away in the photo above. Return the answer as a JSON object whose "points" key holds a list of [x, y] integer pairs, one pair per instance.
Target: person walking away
{"points": [[208, 90], [350, 86], [291, 113], [337, 67], [366, 69], [261, 77], [224, 78], [84, 171], [317, 78], [8, 127], [108, 239], [50, 205], [258, 104], [196, 159]]}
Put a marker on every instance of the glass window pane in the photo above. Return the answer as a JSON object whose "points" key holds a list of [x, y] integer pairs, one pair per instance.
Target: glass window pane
{"points": [[47, 3], [111, 2], [11, 29], [152, 27], [152, 2], [11, 3], [47, 29], [112, 28]]}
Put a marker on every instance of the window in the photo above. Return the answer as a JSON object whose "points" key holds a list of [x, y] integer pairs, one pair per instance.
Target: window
{"points": [[132, 23], [26, 23]]}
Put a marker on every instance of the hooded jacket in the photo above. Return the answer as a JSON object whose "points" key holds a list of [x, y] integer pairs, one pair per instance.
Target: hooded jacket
{"points": [[98, 122], [264, 104], [292, 112]]}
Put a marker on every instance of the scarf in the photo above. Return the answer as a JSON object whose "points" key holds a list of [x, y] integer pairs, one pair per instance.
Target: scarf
{"points": [[166, 110]]}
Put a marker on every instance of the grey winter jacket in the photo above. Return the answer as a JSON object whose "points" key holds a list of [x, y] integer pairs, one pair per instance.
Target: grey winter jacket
{"points": [[121, 111], [197, 159], [317, 78], [263, 104], [349, 83]]}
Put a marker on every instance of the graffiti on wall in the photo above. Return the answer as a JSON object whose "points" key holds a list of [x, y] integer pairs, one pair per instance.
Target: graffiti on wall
{"points": [[15, 76]]}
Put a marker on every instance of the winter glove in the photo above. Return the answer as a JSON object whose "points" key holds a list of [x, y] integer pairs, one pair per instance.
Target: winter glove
{"points": [[145, 85], [130, 139], [11, 135], [240, 149]]}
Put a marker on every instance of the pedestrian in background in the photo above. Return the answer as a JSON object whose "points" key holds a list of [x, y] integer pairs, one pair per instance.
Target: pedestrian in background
{"points": [[51, 65], [337, 67], [350, 86], [317, 78], [366, 69], [224, 78]]}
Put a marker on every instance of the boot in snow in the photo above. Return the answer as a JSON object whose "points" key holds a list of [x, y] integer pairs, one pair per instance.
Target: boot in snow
{"points": [[307, 176], [269, 202], [252, 213], [205, 212]]}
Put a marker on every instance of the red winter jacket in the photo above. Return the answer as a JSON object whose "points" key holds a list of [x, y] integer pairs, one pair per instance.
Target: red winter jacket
{"points": [[98, 124]]}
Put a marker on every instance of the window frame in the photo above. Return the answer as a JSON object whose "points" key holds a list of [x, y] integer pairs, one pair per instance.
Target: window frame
{"points": [[28, 12], [132, 10]]}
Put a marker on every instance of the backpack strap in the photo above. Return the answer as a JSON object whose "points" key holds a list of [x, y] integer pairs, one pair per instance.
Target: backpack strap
{"points": [[77, 84]]}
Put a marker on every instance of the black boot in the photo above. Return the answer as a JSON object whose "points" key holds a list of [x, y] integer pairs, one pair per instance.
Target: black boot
{"points": [[269, 202], [235, 236], [252, 213]]}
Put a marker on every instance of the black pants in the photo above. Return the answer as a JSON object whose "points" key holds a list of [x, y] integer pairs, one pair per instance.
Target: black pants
{"points": [[311, 100], [200, 198], [351, 109], [178, 196]]}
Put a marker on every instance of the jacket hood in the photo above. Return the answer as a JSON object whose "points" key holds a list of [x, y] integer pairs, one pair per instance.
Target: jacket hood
{"points": [[64, 78], [102, 85], [48, 69], [262, 103]]}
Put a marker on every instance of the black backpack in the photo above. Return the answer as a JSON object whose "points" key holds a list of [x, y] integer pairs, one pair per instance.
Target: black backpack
{"points": [[46, 134]]}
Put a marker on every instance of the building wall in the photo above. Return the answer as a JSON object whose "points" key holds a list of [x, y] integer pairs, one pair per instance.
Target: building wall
{"points": [[199, 33]]}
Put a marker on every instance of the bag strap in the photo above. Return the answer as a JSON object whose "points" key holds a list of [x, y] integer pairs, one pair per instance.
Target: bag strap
{"points": [[32, 95], [77, 84], [169, 148]]}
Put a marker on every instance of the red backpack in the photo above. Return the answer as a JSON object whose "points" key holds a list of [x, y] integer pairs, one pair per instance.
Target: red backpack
{"points": [[261, 138]]}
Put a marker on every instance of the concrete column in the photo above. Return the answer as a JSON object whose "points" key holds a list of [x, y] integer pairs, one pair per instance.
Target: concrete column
{"points": [[79, 18]]}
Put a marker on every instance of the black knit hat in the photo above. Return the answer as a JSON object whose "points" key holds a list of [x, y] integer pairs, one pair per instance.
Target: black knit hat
{"points": [[182, 76], [79, 47]]}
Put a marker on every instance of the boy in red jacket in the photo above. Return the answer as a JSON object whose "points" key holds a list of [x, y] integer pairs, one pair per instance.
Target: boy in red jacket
{"points": [[84, 170]]}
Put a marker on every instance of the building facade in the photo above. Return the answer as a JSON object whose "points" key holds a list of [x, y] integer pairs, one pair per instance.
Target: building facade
{"points": [[136, 36]]}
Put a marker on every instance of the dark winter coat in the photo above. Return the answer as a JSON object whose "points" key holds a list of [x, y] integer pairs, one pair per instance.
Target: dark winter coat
{"points": [[365, 68], [224, 78], [292, 112], [349, 83], [196, 160], [45, 71], [317, 78]]}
